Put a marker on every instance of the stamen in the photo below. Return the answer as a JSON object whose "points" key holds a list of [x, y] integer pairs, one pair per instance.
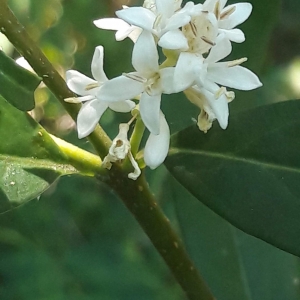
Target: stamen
{"points": [[206, 40], [220, 92], [91, 86], [193, 28], [230, 96], [236, 62], [223, 91], [72, 100], [131, 120], [227, 13], [217, 10], [135, 77], [157, 21]]}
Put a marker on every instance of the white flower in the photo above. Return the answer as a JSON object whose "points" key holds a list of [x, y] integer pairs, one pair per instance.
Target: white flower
{"points": [[148, 80], [118, 151], [229, 17], [228, 73], [201, 32], [213, 106], [163, 19], [123, 29], [93, 108], [206, 73]]}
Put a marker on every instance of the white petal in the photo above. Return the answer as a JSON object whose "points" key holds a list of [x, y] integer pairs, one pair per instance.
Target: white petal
{"points": [[165, 7], [78, 83], [122, 106], [149, 109], [157, 146], [120, 88], [236, 77], [144, 54], [88, 117], [178, 20], [219, 107], [167, 80], [174, 40], [123, 33], [123, 29], [184, 75], [111, 24], [97, 65], [192, 9], [138, 16], [234, 35], [240, 15], [209, 5], [132, 32], [220, 50], [135, 33], [79, 99], [207, 84], [222, 4]]}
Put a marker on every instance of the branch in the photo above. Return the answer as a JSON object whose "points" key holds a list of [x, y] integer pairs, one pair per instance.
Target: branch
{"points": [[16, 33], [140, 201]]}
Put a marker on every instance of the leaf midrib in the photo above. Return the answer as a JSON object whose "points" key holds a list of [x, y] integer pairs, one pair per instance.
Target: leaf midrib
{"points": [[174, 151], [31, 163]]}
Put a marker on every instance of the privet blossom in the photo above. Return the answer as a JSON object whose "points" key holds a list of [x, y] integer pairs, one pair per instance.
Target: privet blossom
{"points": [[195, 40]]}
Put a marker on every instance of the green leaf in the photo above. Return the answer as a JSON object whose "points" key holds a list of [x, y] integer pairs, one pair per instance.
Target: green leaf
{"points": [[17, 84], [249, 174], [272, 274], [30, 161], [211, 244], [263, 19], [235, 265]]}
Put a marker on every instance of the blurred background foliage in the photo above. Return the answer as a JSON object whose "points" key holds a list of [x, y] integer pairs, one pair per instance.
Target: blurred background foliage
{"points": [[77, 241]]}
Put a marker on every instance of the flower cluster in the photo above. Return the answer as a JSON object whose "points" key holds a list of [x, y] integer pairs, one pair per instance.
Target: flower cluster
{"points": [[194, 38]]}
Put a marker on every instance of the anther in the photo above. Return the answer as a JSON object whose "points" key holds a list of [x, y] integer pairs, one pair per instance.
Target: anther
{"points": [[236, 62], [135, 77], [91, 86], [206, 40], [227, 13]]}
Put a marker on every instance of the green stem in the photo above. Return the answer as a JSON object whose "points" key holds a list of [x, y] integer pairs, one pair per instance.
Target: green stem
{"points": [[87, 163], [136, 136], [140, 201], [16, 33]]}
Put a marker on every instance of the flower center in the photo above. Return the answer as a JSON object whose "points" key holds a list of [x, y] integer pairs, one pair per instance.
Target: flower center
{"points": [[201, 32]]}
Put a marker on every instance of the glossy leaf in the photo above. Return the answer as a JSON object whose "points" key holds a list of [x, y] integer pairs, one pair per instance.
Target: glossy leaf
{"points": [[30, 161], [210, 242], [247, 268], [249, 174], [17, 84]]}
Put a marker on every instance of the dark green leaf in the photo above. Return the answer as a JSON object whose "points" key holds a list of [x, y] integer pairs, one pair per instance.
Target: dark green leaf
{"points": [[249, 174], [30, 161], [247, 268], [17, 84], [256, 48], [211, 243]]}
